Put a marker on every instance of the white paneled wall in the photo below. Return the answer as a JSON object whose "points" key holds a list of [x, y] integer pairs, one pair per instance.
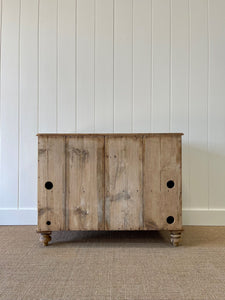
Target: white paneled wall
{"points": [[113, 66]]}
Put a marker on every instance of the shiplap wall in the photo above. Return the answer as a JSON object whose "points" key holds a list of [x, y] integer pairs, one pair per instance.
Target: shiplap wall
{"points": [[113, 66]]}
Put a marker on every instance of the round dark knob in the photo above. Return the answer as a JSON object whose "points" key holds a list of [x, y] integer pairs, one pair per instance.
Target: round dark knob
{"points": [[48, 185]]}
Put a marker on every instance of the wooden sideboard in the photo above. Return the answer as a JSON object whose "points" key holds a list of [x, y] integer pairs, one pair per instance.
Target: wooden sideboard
{"points": [[109, 182]]}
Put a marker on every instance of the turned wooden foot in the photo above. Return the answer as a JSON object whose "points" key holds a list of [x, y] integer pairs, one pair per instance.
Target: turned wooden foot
{"points": [[175, 237], [45, 237]]}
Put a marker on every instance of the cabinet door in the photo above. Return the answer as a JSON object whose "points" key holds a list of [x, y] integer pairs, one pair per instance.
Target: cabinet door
{"points": [[162, 183], [123, 176], [51, 183], [85, 183]]}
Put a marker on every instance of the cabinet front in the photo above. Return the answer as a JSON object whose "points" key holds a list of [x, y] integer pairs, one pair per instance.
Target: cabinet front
{"points": [[70, 183], [97, 182], [85, 183], [123, 183], [51, 183], [162, 183]]}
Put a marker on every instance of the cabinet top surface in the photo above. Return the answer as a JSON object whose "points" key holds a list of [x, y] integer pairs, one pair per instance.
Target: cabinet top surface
{"points": [[110, 134]]}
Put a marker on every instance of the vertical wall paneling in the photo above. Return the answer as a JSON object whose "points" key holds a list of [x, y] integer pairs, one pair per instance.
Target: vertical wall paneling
{"points": [[141, 65], [180, 82], [198, 160], [48, 65], [123, 66], [161, 65], [85, 65], [28, 103], [113, 66], [104, 66], [0, 89], [66, 65], [9, 103], [216, 104]]}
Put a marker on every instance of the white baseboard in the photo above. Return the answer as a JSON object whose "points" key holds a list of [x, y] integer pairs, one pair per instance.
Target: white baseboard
{"points": [[203, 217]]}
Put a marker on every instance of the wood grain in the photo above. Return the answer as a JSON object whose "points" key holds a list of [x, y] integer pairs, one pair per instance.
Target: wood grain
{"points": [[110, 182], [123, 180], [162, 163], [85, 183], [51, 167], [111, 134]]}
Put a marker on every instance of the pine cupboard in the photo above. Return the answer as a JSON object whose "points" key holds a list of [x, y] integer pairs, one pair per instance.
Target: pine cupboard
{"points": [[109, 182]]}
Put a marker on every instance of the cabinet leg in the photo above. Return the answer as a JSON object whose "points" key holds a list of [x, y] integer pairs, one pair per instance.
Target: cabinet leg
{"points": [[175, 237], [45, 237]]}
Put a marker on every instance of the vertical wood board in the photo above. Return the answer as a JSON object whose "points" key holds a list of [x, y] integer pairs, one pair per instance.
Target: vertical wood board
{"points": [[162, 163], [123, 183], [85, 183], [51, 168]]}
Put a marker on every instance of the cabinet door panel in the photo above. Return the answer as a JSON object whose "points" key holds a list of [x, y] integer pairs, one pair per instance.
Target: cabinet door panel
{"points": [[51, 183], [85, 183], [162, 183], [123, 176]]}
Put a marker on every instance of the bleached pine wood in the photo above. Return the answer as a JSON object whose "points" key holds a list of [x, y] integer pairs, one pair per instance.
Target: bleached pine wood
{"points": [[175, 237], [109, 182], [85, 183], [123, 182], [51, 168], [162, 163], [45, 237]]}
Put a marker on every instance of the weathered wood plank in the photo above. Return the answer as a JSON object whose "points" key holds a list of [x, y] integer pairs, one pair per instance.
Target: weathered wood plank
{"points": [[110, 134], [85, 183], [51, 169], [162, 170], [110, 182], [123, 176], [151, 188]]}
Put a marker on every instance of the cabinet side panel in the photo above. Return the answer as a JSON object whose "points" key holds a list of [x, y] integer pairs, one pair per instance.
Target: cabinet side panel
{"points": [[85, 183], [51, 169], [42, 175], [151, 189], [162, 183], [123, 175]]}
